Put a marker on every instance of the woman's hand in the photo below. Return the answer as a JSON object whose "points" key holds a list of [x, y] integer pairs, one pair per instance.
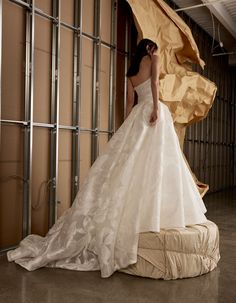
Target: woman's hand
{"points": [[154, 116]]}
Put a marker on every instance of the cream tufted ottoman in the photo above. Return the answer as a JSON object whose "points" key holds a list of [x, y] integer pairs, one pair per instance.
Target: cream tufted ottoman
{"points": [[177, 253]]}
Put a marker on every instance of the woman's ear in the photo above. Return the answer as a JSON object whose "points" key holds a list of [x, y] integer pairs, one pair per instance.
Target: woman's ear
{"points": [[149, 50]]}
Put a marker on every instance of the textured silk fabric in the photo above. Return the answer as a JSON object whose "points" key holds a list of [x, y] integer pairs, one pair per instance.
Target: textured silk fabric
{"points": [[139, 183]]}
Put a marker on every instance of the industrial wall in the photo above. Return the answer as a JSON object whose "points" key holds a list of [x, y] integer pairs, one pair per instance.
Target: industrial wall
{"points": [[58, 106], [210, 145], [63, 97]]}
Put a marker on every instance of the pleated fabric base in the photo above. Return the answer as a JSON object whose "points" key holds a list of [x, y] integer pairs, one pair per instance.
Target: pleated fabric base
{"points": [[177, 253]]}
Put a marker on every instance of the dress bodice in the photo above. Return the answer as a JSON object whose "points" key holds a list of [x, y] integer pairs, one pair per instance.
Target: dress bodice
{"points": [[144, 91]]}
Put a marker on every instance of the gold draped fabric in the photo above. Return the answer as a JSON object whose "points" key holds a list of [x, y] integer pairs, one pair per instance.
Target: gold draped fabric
{"points": [[188, 95]]}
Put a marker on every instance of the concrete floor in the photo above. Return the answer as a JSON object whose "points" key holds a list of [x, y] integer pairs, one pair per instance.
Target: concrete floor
{"points": [[49, 285]]}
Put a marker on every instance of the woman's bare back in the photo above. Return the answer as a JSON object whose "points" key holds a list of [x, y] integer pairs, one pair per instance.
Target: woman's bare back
{"points": [[144, 73]]}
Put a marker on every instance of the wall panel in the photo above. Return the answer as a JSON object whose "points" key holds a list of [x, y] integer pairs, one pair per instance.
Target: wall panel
{"points": [[106, 20], [42, 83], [104, 88], [86, 83], [90, 85], [85, 156], [66, 76], [64, 171], [13, 63], [44, 5], [120, 108], [88, 14], [103, 139], [40, 180], [67, 11], [11, 185]]}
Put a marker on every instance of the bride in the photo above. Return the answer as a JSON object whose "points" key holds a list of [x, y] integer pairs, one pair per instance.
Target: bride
{"points": [[139, 183]]}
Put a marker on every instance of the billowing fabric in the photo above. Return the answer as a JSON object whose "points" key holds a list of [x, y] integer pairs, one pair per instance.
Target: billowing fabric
{"points": [[188, 94], [139, 183], [177, 253]]}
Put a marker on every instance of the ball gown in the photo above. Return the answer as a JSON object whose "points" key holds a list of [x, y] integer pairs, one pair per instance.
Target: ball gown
{"points": [[139, 183]]}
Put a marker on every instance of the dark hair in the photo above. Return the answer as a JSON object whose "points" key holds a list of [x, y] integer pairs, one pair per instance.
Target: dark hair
{"points": [[141, 50]]}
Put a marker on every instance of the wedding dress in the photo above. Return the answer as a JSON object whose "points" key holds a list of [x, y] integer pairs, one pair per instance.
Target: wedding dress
{"points": [[139, 183]]}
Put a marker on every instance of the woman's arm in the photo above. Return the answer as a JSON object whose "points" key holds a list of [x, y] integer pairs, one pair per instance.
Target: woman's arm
{"points": [[130, 98], [155, 79]]}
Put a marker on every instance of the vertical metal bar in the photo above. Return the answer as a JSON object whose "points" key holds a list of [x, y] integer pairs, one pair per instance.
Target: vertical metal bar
{"points": [[55, 111], [126, 63], [216, 133], [213, 168], [0, 67], [233, 136], [28, 131], [219, 137], [206, 154], [225, 130], [228, 124], [77, 51], [112, 86], [96, 84], [233, 89], [201, 123], [233, 126], [209, 129], [222, 139], [190, 131]]}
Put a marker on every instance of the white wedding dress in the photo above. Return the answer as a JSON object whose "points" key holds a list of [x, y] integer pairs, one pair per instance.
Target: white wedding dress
{"points": [[139, 183]]}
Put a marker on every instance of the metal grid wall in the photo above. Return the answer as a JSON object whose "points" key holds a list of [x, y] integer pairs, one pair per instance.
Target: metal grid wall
{"points": [[210, 144], [29, 124]]}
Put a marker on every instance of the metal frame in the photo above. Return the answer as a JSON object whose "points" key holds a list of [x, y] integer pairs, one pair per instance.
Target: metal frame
{"points": [[112, 86], [28, 129], [195, 137], [126, 63], [55, 111], [77, 53], [96, 81], [0, 67], [54, 126], [211, 137]]}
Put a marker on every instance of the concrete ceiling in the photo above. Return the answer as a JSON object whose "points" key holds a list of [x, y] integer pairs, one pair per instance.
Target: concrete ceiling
{"points": [[218, 18]]}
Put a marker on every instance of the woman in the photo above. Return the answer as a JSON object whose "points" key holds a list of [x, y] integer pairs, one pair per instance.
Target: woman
{"points": [[145, 65], [139, 183]]}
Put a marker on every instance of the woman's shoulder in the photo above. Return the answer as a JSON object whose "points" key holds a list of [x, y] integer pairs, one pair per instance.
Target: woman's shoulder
{"points": [[155, 59], [155, 55]]}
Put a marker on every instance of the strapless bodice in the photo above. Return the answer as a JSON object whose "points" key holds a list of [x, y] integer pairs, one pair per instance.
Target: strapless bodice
{"points": [[144, 91]]}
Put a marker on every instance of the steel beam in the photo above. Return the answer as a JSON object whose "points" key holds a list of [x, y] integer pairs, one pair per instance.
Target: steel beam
{"points": [[53, 196], [96, 81], [0, 66], [126, 64], [112, 86], [77, 60], [28, 130]]}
